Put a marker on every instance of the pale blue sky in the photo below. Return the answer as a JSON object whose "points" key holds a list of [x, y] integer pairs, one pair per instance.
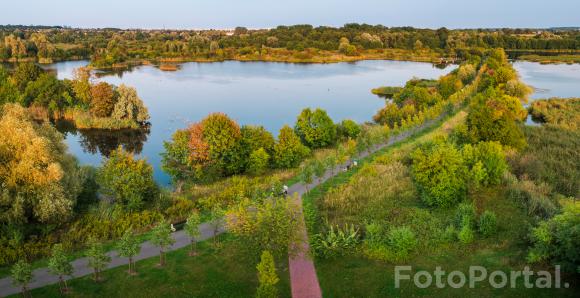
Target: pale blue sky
{"points": [[269, 13]]}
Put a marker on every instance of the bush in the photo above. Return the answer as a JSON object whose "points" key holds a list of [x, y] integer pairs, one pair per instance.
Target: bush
{"points": [[465, 214], [465, 234], [336, 241], [439, 173], [402, 241], [487, 224], [558, 239]]}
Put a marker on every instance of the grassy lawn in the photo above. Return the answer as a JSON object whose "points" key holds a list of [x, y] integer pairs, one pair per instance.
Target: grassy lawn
{"points": [[222, 272]]}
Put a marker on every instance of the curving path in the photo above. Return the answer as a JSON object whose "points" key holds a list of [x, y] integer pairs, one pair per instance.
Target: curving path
{"points": [[303, 279]]}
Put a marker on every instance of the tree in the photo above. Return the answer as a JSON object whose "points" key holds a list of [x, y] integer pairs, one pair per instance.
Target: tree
{"points": [[493, 117], [129, 105], [289, 151], [128, 247], [81, 85], [222, 136], [265, 225], [319, 169], [267, 276], [25, 73], [192, 230], [58, 264], [103, 99], [128, 180], [217, 222], [258, 161], [439, 172], [256, 137], [40, 180], [315, 129], [330, 162], [348, 129], [175, 160], [306, 175], [98, 258], [161, 237], [22, 275]]}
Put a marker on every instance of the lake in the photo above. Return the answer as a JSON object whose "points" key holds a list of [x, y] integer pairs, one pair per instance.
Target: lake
{"points": [[259, 93]]}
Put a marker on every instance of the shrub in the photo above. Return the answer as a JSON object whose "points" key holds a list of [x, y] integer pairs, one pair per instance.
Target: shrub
{"points": [[558, 239], [465, 214], [439, 173], [450, 234], [267, 276], [487, 223], [402, 241], [336, 241], [466, 233]]}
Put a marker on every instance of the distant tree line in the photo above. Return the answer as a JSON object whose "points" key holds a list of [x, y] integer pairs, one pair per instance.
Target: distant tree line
{"points": [[107, 47]]}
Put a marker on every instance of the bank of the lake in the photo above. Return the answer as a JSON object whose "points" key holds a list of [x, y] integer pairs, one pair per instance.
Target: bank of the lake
{"points": [[258, 93]]}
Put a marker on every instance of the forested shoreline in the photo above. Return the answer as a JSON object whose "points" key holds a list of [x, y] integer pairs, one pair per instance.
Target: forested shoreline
{"points": [[120, 48]]}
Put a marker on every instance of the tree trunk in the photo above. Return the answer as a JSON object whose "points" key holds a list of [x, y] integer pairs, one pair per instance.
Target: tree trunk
{"points": [[161, 260], [130, 263], [65, 285], [60, 283]]}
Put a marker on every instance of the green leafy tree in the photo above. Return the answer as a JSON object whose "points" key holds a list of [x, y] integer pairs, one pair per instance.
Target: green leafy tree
{"points": [[25, 73], [266, 225], [306, 175], [267, 276], [22, 275], [58, 264], [129, 105], [192, 230], [330, 162], [258, 162], [348, 129], [98, 258], [439, 173], [495, 119], [161, 237], [128, 247], [315, 129], [217, 223], [319, 169], [289, 151], [176, 158], [128, 180], [222, 136]]}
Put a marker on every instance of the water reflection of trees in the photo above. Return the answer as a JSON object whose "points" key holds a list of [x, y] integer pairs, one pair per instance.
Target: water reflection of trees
{"points": [[104, 141]]}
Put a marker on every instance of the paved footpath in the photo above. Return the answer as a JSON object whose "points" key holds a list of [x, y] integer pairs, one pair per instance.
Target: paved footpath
{"points": [[303, 279]]}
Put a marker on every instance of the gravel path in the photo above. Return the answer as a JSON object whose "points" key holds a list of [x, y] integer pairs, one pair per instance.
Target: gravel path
{"points": [[303, 279]]}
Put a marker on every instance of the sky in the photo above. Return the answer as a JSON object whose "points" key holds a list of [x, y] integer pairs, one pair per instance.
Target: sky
{"points": [[204, 14]]}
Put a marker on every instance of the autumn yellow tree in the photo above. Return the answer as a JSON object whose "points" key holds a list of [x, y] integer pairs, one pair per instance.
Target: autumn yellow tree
{"points": [[33, 163]]}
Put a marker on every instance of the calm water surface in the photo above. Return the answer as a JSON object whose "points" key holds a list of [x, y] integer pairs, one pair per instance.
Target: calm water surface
{"points": [[259, 93]]}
